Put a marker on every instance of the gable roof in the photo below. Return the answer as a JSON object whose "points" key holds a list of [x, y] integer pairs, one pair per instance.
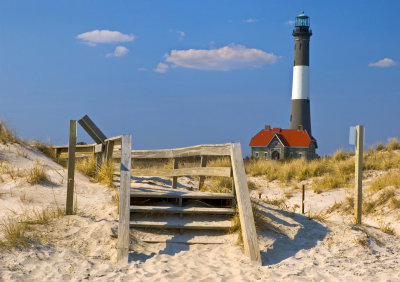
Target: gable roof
{"points": [[288, 137]]}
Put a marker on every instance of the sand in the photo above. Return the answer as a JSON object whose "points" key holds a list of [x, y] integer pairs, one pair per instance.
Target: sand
{"points": [[83, 246]]}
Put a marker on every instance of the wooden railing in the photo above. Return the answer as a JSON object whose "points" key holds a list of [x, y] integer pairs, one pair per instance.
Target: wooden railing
{"points": [[119, 150]]}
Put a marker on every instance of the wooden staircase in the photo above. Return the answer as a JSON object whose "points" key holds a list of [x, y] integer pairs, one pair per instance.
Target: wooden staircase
{"points": [[179, 209]]}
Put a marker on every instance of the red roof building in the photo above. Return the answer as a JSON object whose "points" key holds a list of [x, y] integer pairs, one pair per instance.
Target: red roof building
{"points": [[278, 143]]}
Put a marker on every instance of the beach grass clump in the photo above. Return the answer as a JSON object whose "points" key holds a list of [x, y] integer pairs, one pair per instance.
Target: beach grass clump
{"points": [[341, 155], [218, 185], [391, 178], [219, 162], [386, 227], [393, 144], [87, 166], [37, 174], [285, 171], [13, 232], [15, 229], [251, 185], [7, 135], [345, 207], [384, 198], [105, 174]]}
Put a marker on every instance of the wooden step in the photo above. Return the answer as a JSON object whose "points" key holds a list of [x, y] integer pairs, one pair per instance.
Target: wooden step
{"points": [[174, 209], [166, 193], [182, 223]]}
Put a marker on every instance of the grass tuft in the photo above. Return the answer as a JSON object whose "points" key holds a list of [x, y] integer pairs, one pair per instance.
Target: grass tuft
{"points": [[37, 174], [386, 228], [105, 174], [7, 135], [14, 233], [87, 166], [391, 178]]}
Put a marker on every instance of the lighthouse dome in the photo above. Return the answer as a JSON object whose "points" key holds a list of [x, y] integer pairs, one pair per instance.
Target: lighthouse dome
{"points": [[302, 20]]}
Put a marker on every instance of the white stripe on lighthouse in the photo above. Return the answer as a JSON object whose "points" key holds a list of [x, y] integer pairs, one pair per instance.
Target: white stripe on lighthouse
{"points": [[301, 82]]}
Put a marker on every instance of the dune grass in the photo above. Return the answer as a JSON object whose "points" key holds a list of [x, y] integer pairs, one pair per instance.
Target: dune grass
{"points": [[37, 174], [16, 230], [105, 174], [332, 171], [8, 135], [390, 178], [87, 166]]}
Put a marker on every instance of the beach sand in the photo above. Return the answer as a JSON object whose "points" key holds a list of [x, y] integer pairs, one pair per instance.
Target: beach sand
{"points": [[83, 246]]}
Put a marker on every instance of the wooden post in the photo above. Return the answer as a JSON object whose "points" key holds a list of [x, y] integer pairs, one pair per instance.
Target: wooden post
{"points": [[124, 202], [358, 174], [109, 150], [203, 163], [71, 167], [302, 199], [175, 178], [249, 233]]}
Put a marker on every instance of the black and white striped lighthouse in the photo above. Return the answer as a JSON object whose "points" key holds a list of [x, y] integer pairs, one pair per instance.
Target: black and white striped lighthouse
{"points": [[300, 114]]}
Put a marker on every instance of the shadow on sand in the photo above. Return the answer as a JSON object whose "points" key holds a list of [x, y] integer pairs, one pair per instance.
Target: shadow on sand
{"points": [[172, 247], [309, 233]]}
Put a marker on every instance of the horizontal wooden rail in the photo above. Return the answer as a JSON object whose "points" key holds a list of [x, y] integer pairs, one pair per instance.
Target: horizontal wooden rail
{"points": [[77, 146], [116, 138], [199, 150], [192, 171]]}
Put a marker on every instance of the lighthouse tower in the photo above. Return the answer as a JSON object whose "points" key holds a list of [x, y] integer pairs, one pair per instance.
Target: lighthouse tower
{"points": [[300, 113]]}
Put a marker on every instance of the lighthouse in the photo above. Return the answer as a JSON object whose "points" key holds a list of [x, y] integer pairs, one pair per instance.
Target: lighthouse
{"points": [[300, 113]]}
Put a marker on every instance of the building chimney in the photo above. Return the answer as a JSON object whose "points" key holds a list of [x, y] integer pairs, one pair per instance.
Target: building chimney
{"points": [[267, 127], [300, 127]]}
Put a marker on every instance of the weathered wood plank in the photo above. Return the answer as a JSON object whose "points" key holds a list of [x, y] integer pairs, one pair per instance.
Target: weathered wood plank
{"points": [[64, 155], [124, 203], [174, 179], [115, 138], [175, 209], [71, 168], [184, 224], [203, 163], [172, 193], [78, 147], [91, 128], [192, 171], [358, 174], [109, 150], [247, 224], [199, 150]]}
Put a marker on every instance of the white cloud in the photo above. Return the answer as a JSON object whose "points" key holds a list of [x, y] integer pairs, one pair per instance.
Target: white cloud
{"points": [[291, 22], [118, 52], [104, 36], [223, 59], [161, 67], [250, 20], [384, 63]]}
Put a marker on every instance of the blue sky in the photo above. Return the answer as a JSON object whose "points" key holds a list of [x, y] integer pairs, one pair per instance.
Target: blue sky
{"points": [[181, 73]]}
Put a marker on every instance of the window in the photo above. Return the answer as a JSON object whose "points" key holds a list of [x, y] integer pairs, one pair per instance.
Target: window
{"points": [[266, 155], [300, 155], [256, 154], [291, 154]]}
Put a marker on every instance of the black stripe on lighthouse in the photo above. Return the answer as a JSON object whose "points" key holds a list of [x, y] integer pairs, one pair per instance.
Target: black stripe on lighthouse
{"points": [[300, 113]]}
